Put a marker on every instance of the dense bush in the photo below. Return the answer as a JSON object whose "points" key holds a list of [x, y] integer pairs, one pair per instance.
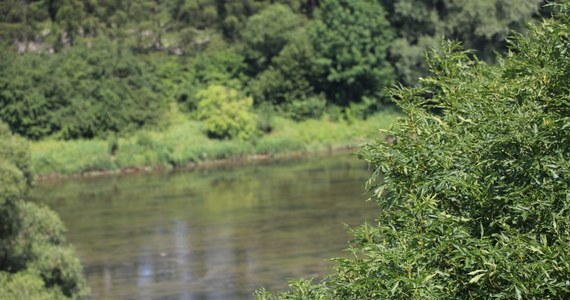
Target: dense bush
{"points": [[86, 92], [224, 66], [308, 108], [35, 262], [475, 196], [226, 113]]}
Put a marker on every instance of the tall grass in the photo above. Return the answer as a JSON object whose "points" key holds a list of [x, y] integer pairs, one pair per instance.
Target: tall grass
{"points": [[71, 157], [185, 142]]}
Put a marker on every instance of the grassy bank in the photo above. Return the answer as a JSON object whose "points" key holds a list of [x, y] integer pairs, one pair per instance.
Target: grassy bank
{"points": [[186, 144]]}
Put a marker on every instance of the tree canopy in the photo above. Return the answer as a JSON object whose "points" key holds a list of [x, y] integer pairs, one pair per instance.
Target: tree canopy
{"points": [[351, 39], [35, 260], [82, 69], [481, 25]]}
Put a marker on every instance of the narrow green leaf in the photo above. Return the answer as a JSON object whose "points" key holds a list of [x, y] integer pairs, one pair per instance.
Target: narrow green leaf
{"points": [[476, 278]]}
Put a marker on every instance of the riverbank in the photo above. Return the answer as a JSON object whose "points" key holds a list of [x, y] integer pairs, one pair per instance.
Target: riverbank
{"points": [[186, 146]]}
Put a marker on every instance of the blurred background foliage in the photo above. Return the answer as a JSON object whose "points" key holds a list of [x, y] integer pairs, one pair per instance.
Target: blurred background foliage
{"points": [[74, 69]]}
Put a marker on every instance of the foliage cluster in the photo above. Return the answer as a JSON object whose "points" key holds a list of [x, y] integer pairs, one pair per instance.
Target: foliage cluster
{"points": [[94, 68], [351, 39], [474, 197], [225, 113], [480, 25], [86, 92], [35, 261]]}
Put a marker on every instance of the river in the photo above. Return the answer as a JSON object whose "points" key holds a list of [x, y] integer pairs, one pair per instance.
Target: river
{"points": [[211, 234]]}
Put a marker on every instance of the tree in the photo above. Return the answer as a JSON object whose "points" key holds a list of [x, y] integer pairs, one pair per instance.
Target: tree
{"points": [[291, 75], [35, 260], [69, 17], [20, 21], [351, 39], [474, 201], [83, 93], [226, 114], [267, 33], [481, 25]]}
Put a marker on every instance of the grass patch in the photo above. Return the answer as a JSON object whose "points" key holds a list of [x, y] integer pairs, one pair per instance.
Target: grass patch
{"points": [[71, 157], [185, 142]]}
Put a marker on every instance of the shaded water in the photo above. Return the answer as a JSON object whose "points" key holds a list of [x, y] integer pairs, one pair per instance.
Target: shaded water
{"points": [[211, 234]]}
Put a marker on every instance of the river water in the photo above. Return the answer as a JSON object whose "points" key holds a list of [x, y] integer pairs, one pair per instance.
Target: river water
{"points": [[217, 234]]}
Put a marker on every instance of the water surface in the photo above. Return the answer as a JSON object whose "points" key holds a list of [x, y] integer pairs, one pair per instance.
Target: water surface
{"points": [[211, 234]]}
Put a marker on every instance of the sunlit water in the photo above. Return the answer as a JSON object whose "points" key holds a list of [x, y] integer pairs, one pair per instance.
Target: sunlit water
{"points": [[211, 234]]}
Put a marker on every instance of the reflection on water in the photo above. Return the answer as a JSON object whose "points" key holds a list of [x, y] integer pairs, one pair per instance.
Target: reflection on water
{"points": [[212, 234]]}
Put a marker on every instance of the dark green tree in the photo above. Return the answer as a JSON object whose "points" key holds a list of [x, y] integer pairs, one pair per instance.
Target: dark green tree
{"points": [[291, 77], [35, 260], [267, 33], [149, 20], [20, 21], [68, 16], [481, 25], [351, 39]]}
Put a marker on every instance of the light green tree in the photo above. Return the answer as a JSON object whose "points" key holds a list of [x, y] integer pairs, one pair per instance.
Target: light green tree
{"points": [[226, 113]]}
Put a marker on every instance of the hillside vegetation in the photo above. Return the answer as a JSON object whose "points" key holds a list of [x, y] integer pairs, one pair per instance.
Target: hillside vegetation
{"points": [[82, 69]]}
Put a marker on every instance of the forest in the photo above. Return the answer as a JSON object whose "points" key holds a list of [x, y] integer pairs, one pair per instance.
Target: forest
{"points": [[473, 190], [79, 69]]}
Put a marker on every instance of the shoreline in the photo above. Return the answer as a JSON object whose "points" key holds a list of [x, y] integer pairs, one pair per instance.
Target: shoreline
{"points": [[209, 164], [184, 146]]}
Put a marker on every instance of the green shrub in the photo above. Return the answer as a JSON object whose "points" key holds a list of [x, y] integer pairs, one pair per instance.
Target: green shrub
{"points": [[266, 114], [226, 114], [475, 197], [225, 66], [363, 109], [26, 285], [15, 150]]}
